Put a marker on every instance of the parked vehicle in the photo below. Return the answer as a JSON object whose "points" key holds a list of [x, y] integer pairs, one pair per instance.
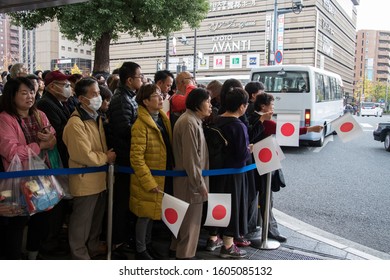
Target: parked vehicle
{"points": [[370, 109], [379, 109], [313, 93], [382, 134]]}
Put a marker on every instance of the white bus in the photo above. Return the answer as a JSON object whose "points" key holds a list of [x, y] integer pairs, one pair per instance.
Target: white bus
{"points": [[316, 94], [244, 79]]}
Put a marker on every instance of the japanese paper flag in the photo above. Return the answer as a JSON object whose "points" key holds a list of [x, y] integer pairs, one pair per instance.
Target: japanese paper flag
{"points": [[173, 211], [265, 156], [347, 127], [287, 129], [279, 151], [218, 209]]}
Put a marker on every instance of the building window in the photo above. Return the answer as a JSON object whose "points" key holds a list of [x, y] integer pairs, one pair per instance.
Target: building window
{"points": [[81, 51], [63, 37], [88, 52], [69, 49], [62, 48], [75, 50], [366, 42]]}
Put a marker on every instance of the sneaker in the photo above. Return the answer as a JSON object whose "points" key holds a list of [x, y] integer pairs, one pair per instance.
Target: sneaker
{"points": [[212, 245], [233, 252], [241, 242]]}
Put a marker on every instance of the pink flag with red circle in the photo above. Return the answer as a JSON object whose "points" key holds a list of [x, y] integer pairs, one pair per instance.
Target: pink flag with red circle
{"points": [[218, 209], [266, 157], [347, 127], [287, 129], [173, 211]]}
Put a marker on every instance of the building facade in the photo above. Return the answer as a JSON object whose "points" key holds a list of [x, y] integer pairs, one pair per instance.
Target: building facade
{"points": [[54, 51], [9, 43], [238, 35], [372, 55]]}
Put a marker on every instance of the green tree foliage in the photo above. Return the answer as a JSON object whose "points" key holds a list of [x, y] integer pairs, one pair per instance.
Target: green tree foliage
{"points": [[373, 90], [100, 21]]}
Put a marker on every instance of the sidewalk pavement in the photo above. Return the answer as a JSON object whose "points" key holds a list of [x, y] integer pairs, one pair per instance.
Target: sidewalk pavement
{"points": [[304, 242]]}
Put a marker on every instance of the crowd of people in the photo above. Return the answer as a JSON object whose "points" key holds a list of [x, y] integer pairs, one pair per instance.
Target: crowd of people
{"points": [[134, 122]]}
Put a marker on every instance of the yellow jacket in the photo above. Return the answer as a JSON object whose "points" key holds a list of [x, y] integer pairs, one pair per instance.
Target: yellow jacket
{"points": [[147, 152], [86, 143]]}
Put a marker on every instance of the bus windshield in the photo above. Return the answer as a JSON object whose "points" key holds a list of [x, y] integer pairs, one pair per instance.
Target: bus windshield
{"points": [[284, 81]]}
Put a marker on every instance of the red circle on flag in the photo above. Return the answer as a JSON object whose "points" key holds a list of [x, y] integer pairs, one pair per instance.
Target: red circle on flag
{"points": [[287, 129], [346, 127], [265, 155], [219, 212], [171, 215]]}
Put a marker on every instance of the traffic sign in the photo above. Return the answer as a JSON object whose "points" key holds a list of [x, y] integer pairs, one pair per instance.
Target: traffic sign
{"points": [[278, 57]]}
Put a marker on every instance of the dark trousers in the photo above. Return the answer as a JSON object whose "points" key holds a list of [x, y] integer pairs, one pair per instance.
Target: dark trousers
{"points": [[123, 225], [11, 237], [38, 228]]}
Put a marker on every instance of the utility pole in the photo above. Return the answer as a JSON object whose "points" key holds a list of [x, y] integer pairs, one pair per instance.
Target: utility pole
{"points": [[167, 53], [195, 55]]}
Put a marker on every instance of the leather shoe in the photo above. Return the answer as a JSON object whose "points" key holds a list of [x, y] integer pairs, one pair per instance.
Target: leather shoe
{"points": [[143, 256], [279, 237]]}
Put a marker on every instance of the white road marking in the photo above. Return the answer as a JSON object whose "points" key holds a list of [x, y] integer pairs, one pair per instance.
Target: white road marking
{"points": [[366, 125], [327, 140]]}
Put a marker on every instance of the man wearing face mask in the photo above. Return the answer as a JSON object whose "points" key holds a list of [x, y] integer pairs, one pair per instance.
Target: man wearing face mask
{"points": [[57, 92], [52, 103], [86, 141]]}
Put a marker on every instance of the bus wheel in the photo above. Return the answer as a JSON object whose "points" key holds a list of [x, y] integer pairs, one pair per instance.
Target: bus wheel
{"points": [[320, 142]]}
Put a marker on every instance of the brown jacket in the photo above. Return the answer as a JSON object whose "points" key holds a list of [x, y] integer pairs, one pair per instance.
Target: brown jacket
{"points": [[191, 154]]}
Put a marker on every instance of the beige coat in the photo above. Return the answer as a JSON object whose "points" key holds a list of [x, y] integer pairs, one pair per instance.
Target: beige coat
{"points": [[86, 143], [191, 154]]}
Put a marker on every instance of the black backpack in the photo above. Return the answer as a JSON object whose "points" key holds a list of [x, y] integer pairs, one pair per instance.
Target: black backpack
{"points": [[216, 144]]}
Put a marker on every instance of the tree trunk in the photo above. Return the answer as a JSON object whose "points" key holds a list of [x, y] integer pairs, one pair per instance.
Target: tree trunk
{"points": [[102, 54]]}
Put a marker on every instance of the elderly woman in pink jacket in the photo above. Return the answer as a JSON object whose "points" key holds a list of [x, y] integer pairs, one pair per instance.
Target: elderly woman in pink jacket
{"points": [[23, 127]]}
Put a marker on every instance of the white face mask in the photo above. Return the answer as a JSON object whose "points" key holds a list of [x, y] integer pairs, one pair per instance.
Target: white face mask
{"points": [[95, 103], [66, 92]]}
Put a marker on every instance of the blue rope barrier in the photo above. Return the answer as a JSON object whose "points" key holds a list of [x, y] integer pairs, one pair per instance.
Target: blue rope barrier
{"points": [[120, 169]]}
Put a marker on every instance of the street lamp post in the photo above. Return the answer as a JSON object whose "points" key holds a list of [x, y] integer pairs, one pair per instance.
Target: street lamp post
{"points": [[195, 57], [387, 92], [296, 8]]}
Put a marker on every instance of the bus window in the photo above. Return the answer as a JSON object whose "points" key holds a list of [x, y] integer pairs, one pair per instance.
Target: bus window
{"points": [[326, 89], [288, 81], [333, 88]]}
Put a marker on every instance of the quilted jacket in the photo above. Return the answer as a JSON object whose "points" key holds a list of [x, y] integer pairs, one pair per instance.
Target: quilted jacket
{"points": [[148, 151]]}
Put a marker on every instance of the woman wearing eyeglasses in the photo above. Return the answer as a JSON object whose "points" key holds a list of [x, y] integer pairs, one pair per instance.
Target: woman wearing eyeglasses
{"points": [[151, 148]]}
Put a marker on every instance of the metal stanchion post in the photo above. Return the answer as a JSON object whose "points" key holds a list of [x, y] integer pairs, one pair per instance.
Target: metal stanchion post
{"points": [[109, 214], [265, 243]]}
